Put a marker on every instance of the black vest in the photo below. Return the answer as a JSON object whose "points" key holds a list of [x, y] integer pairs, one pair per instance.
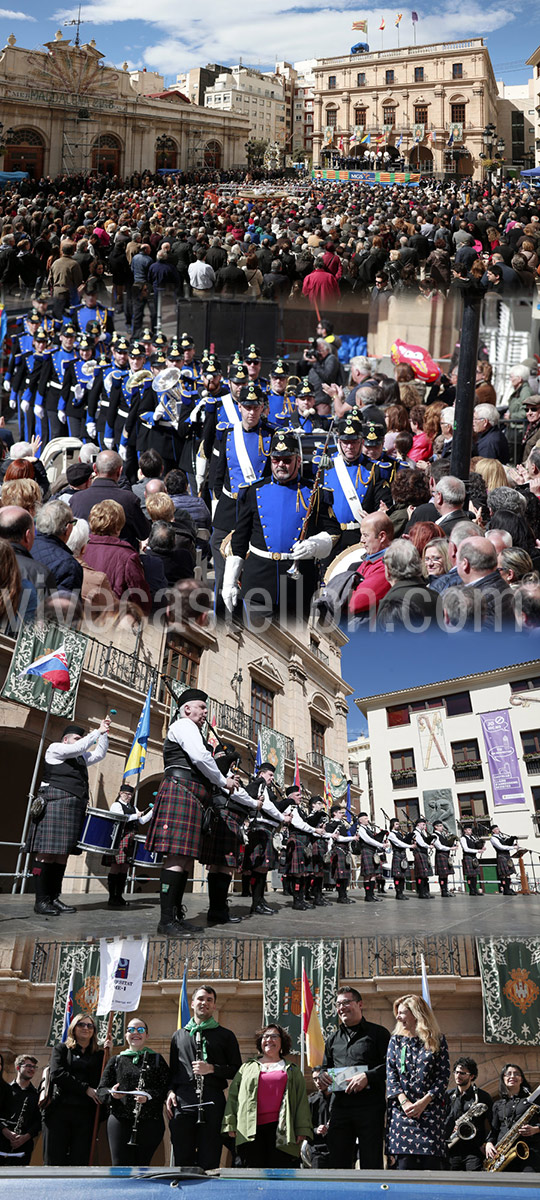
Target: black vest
{"points": [[71, 776], [175, 756]]}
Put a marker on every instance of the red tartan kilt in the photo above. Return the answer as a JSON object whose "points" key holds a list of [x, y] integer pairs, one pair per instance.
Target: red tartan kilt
{"points": [[298, 855], [505, 866], [443, 866], [398, 872], [176, 824], [223, 846], [260, 853], [341, 871], [422, 868], [125, 852]]}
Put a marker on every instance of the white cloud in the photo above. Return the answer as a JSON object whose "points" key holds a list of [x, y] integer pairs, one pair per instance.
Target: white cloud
{"points": [[269, 35], [9, 15]]}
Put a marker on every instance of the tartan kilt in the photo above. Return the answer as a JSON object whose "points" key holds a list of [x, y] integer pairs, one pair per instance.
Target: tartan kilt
{"points": [[59, 829], [398, 872], [176, 824], [298, 854], [260, 854], [443, 866], [341, 865], [368, 866], [318, 858], [471, 866], [422, 867], [505, 867], [223, 845], [125, 852]]}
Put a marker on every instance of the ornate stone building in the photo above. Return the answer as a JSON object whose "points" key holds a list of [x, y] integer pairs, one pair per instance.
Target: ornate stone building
{"points": [[427, 105], [64, 111]]}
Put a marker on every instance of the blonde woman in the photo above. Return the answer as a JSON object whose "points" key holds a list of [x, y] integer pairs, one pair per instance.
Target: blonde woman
{"points": [[417, 1074], [68, 1123]]}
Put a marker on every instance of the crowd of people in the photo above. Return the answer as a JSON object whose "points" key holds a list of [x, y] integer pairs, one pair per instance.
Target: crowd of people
{"points": [[379, 1099]]}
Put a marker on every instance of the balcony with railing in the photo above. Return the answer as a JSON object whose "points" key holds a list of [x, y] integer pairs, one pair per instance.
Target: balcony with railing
{"points": [[404, 778], [532, 763], [436, 50], [315, 759], [468, 770]]}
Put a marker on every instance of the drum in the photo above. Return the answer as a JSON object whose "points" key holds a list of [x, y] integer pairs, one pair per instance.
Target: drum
{"points": [[101, 832], [143, 857]]}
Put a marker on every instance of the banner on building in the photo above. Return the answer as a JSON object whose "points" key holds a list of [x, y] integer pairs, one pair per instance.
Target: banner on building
{"points": [[273, 750], [510, 989], [122, 964], [388, 128], [33, 642], [282, 983], [504, 769], [418, 133], [335, 778], [328, 135], [456, 132], [438, 806], [79, 964], [358, 133], [431, 735]]}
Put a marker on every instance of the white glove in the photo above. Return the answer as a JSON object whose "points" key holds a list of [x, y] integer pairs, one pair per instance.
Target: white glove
{"points": [[317, 546], [62, 416], [201, 467], [231, 589], [108, 443], [92, 431], [38, 411], [159, 412], [13, 404], [25, 405], [215, 502], [7, 385], [78, 391], [122, 450]]}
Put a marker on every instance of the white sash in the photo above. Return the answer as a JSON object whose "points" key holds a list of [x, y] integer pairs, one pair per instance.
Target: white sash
{"points": [[246, 465], [230, 408], [348, 488]]}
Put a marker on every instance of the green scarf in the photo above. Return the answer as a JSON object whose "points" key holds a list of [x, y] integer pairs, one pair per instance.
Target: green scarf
{"points": [[136, 1055], [193, 1026]]}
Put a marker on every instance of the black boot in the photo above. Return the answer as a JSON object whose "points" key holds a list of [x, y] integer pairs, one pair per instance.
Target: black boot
{"points": [[298, 902], [444, 888], [369, 897], [116, 885], [44, 881], [507, 888], [258, 905], [172, 887], [218, 908], [59, 870]]}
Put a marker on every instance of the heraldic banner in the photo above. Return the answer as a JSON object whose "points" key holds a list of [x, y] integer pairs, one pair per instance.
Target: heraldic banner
{"points": [[34, 641], [282, 983], [335, 778], [273, 746], [77, 991], [510, 991]]}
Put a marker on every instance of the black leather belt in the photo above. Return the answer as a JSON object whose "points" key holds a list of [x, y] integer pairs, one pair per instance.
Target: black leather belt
{"points": [[181, 773]]}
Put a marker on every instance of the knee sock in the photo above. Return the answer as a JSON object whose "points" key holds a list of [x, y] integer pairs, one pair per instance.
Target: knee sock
{"points": [[218, 886], [257, 890]]}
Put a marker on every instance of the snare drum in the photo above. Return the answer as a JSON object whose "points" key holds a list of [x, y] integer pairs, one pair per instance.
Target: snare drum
{"points": [[143, 857], [101, 832]]}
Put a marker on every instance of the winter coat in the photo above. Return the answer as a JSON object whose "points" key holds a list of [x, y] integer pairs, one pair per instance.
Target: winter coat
{"points": [[121, 565], [240, 1114]]}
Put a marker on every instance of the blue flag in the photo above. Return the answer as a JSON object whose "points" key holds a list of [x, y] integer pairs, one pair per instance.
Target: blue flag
{"points": [[258, 756], [68, 1011], [349, 810], [137, 755], [184, 1014]]}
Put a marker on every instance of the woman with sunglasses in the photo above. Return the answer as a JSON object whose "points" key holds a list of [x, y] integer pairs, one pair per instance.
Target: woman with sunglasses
{"points": [[68, 1122], [135, 1083]]}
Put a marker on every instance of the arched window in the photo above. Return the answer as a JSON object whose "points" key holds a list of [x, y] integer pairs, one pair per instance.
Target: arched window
{"points": [[213, 155], [106, 152], [25, 152], [166, 153]]}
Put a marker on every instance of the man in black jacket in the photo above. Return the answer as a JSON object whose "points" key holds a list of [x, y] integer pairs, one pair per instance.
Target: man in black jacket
{"points": [[356, 1125], [466, 1153], [204, 1057], [20, 1111], [108, 469]]}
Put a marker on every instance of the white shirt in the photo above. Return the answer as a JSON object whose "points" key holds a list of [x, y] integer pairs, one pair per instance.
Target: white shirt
{"points": [[58, 752], [201, 275], [187, 735]]}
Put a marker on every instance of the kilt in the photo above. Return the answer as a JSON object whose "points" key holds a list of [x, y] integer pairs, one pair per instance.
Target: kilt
{"points": [[504, 866], [59, 829], [471, 866], [368, 866], [176, 824], [443, 866], [422, 867], [124, 853], [318, 857], [223, 845], [398, 857], [260, 855], [341, 864], [298, 854]]}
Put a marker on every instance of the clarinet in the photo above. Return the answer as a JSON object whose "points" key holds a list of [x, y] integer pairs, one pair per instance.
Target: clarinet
{"points": [[138, 1103], [199, 1079], [17, 1130]]}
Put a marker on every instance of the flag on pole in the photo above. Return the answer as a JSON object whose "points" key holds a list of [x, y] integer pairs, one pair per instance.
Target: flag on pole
{"points": [[450, 141], [258, 756], [361, 25], [296, 771], [382, 24], [327, 792], [212, 739], [398, 18], [414, 18], [349, 810], [121, 972], [183, 1004], [53, 668], [137, 755], [68, 1011], [425, 985], [311, 1025], [399, 141], [365, 140]]}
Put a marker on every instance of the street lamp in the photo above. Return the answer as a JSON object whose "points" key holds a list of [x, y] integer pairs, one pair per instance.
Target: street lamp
{"points": [[493, 152]]}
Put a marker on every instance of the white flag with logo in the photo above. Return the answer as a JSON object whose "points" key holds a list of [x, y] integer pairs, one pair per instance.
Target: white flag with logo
{"points": [[122, 963]]}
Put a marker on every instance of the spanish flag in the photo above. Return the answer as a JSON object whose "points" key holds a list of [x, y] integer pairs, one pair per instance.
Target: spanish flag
{"points": [[311, 1026]]}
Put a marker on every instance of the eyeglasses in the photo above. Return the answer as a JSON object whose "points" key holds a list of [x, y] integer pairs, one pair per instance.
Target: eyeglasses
{"points": [[136, 1029], [85, 1025]]}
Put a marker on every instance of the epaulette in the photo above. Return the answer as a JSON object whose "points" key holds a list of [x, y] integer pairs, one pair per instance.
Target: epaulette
{"points": [[222, 426]]}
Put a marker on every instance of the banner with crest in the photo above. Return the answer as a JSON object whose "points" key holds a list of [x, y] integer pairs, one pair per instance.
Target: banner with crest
{"points": [[335, 778], [282, 983], [33, 642], [510, 989], [77, 986], [273, 750]]}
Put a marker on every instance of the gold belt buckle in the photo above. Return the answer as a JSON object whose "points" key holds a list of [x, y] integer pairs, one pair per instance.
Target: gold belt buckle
{"points": [[276, 557]]}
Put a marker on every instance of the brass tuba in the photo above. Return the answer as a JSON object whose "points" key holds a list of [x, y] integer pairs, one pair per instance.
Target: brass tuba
{"points": [[136, 378], [165, 384]]}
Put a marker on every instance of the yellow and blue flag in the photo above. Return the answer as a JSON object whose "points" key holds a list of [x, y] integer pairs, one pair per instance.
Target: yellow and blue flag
{"points": [[137, 755], [184, 1014]]}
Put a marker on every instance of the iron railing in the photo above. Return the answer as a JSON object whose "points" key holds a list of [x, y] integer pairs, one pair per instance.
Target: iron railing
{"points": [[315, 759], [108, 662], [241, 959]]}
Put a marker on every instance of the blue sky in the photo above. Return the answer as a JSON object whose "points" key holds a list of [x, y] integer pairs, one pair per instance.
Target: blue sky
{"points": [[174, 37], [375, 663]]}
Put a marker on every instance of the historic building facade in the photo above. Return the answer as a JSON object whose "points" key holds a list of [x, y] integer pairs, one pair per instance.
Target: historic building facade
{"points": [[426, 105], [64, 111]]}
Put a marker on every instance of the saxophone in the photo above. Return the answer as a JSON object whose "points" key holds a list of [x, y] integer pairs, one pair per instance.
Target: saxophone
{"points": [[138, 1103], [465, 1129], [511, 1145]]}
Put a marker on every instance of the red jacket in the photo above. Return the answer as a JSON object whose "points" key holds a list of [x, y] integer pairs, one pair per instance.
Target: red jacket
{"points": [[121, 565], [421, 447], [319, 286], [371, 590]]}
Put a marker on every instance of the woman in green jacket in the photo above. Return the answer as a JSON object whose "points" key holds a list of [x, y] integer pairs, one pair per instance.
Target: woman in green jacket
{"points": [[267, 1109]]}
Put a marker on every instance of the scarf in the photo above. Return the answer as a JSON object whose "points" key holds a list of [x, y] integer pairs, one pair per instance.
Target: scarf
{"points": [[137, 1055], [194, 1026]]}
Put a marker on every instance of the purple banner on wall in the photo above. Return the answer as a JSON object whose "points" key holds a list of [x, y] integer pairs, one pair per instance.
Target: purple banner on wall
{"points": [[503, 761]]}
